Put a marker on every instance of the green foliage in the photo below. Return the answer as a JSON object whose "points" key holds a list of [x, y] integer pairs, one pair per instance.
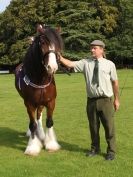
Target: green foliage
{"points": [[108, 14], [121, 45], [81, 22], [2, 48], [17, 48]]}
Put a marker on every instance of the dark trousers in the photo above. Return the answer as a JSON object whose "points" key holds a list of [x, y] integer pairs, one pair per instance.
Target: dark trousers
{"points": [[101, 110]]}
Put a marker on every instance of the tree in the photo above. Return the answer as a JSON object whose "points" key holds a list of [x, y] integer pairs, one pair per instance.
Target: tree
{"points": [[79, 25], [120, 46], [81, 22]]}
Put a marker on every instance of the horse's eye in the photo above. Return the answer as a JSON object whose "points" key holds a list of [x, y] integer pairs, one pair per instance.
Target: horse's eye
{"points": [[43, 62], [41, 41]]}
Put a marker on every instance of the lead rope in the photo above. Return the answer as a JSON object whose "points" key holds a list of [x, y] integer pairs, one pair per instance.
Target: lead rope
{"points": [[64, 69]]}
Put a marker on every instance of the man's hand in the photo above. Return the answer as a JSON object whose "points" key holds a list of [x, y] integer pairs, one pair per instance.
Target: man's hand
{"points": [[116, 94], [66, 62], [116, 104]]}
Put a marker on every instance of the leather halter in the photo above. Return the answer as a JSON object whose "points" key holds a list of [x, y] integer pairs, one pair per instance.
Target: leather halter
{"points": [[50, 51], [47, 53]]}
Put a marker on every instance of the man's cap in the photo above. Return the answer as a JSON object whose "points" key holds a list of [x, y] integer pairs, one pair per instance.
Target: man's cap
{"points": [[98, 43]]}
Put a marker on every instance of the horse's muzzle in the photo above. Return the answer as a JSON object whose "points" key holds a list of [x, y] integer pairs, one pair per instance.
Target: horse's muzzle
{"points": [[51, 70]]}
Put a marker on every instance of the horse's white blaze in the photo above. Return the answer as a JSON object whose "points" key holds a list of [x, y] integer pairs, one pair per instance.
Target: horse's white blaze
{"points": [[52, 60], [40, 130], [34, 146], [51, 143]]}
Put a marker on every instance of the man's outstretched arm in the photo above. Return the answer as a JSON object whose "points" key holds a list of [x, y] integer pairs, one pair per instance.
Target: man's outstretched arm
{"points": [[66, 62]]}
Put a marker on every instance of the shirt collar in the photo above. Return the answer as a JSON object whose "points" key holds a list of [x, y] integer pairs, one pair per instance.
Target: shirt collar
{"points": [[99, 59]]}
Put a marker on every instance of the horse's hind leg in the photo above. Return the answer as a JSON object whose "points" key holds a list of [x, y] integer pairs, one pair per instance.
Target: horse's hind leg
{"points": [[34, 145], [40, 130], [51, 143]]}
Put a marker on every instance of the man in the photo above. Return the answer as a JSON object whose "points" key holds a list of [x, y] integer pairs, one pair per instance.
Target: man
{"points": [[101, 84]]}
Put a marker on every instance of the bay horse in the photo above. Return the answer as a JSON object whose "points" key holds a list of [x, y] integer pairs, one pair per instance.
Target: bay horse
{"points": [[34, 81]]}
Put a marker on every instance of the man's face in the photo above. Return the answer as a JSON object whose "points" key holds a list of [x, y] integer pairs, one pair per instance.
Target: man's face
{"points": [[96, 51]]}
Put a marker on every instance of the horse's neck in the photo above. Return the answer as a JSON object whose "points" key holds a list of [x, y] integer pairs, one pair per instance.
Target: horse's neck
{"points": [[37, 78], [33, 69]]}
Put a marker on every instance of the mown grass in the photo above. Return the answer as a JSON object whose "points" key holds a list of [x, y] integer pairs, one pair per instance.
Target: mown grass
{"points": [[71, 126]]}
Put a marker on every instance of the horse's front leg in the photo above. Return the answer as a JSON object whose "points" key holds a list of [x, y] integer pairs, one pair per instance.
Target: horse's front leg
{"points": [[34, 145], [51, 143], [40, 130]]}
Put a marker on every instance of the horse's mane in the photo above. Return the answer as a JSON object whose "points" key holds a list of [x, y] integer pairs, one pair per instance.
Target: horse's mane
{"points": [[53, 37], [33, 59]]}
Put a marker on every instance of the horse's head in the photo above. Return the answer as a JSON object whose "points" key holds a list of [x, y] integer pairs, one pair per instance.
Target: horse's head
{"points": [[50, 44]]}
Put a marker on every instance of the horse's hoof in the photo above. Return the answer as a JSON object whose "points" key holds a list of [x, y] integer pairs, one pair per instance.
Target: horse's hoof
{"points": [[52, 150], [34, 147], [52, 146], [31, 153]]}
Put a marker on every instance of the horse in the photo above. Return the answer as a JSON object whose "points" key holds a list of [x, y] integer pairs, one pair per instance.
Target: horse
{"points": [[35, 83]]}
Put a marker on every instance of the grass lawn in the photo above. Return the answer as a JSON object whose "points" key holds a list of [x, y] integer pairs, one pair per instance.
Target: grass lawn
{"points": [[71, 127]]}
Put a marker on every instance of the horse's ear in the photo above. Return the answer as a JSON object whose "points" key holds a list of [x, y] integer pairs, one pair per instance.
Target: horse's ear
{"points": [[40, 29], [58, 29]]}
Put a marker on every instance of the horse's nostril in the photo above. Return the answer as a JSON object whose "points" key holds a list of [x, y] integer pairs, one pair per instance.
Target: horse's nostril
{"points": [[49, 67]]}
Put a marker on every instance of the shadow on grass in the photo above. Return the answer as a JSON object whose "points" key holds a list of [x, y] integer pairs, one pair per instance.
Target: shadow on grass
{"points": [[71, 147], [18, 140], [12, 138]]}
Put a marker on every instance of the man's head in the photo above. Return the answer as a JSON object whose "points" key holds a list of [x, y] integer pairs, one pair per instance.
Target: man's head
{"points": [[97, 48]]}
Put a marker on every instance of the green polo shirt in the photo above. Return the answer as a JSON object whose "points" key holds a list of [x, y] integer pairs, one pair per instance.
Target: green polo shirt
{"points": [[107, 74]]}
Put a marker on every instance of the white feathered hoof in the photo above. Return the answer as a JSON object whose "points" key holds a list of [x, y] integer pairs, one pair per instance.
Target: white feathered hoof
{"points": [[51, 144], [34, 147]]}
